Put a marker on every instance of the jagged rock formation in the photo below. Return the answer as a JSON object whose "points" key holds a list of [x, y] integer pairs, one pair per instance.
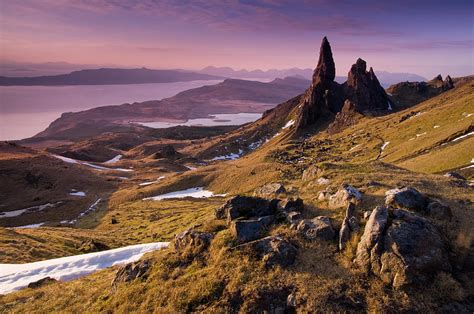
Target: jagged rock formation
{"points": [[407, 94], [325, 97]]}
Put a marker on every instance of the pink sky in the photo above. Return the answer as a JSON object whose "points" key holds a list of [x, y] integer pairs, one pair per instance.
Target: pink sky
{"points": [[423, 37]]}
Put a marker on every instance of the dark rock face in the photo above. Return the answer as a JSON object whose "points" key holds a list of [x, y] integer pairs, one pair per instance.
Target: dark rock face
{"points": [[131, 272], [316, 228], [246, 207], [401, 250], [363, 89], [252, 229], [291, 205], [191, 241], [41, 282], [326, 69], [272, 251]]}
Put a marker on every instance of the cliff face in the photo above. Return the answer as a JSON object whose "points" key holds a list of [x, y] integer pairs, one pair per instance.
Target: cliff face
{"points": [[325, 97]]}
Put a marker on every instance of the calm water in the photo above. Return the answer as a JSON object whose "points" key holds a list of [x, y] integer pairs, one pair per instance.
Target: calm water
{"points": [[213, 120], [27, 110]]}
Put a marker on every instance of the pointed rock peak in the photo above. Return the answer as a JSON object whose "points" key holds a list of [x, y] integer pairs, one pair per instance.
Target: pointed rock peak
{"points": [[438, 78], [448, 82], [326, 69]]}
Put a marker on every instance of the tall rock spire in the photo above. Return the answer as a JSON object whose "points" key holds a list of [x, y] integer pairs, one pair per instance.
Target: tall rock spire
{"points": [[326, 69]]}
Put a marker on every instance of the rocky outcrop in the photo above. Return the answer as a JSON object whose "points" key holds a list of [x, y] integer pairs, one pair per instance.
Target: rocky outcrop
{"points": [[344, 196], [401, 247], [272, 251], [407, 94], [192, 241], [251, 229], [90, 245], [316, 228], [131, 272], [350, 224], [363, 89], [409, 198], [325, 98], [290, 204]]}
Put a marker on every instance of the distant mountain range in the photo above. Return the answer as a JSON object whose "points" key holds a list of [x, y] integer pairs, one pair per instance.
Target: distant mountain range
{"points": [[109, 76], [386, 78]]}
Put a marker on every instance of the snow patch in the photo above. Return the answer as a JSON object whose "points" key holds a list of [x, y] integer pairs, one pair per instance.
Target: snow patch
{"points": [[389, 107], [151, 182], [231, 156], [421, 134], [79, 193], [113, 160], [354, 147], [19, 212], [17, 276], [384, 145], [288, 124], [100, 168], [435, 126], [198, 192], [65, 159], [255, 145], [30, 226]]}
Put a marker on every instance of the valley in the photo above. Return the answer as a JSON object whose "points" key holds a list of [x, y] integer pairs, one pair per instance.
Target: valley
{"points": [[345, 197]]}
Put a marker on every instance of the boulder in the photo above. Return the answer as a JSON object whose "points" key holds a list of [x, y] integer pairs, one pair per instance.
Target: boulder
{"points": [[270, 189], [252, 229], [344, 196], [191, 241], [293, 217], [291, 205], [41, 282], [350, 224], [404, 249], [316, 228], [246, 207], [438, 210], [91, 245], [407, 198], [131, 272], [272, 250]]}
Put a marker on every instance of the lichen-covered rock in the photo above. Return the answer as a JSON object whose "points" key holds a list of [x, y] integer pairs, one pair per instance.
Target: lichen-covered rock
{"points": [[132, 271], [407, 198], [251, 229], [192, 241], [404, 249], [272, 250], [270, 189], [316, 228], [345, 195]]}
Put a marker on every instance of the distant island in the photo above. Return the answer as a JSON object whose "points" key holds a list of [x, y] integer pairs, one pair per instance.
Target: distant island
{"points": [[109, 76]]}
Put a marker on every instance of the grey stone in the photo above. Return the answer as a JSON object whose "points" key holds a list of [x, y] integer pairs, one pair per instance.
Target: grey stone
{"points": [[252, 229], [192, 241], [316, 228], [272, 250], [345, 195]]}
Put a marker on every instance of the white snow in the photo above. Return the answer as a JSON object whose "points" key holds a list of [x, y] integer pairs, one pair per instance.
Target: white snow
{"points": [[92, 207], [288, 124], [435, 126], [30, 226], [198, 192], [151, 182], [79, 193], [19, 212], [231, 156], [467, 115], [389, 106], [65, 159], [421, 134], [462, 136], [384, 145], [255, 145], [100, 168], [190, 167], [113, 160], [17, 276]]}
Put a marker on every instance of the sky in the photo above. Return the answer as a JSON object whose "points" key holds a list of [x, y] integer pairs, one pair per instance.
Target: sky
{"points": [[422, 37]]}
